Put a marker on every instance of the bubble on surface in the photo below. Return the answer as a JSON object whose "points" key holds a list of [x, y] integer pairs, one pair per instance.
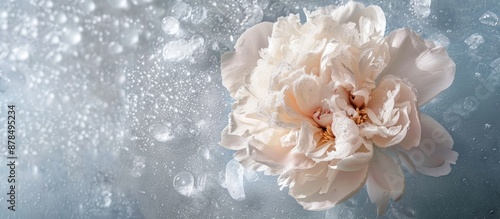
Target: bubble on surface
{"points": [[184, 130], [181, 10], [253, 15], [234, 180], [88, 5], [199, 14], [421, 7], [20, 53], [170, 25], [121, 4], [177, 50], [72, 35], [141, 2], [61, 17], [489, 18], [184, 184], [160, 133], [204, 152], [115, 48], [130, 37], [196, 41], [474, 41]]}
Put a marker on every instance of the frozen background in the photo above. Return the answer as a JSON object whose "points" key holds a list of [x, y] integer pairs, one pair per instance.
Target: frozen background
{"points": [[119, 108]]}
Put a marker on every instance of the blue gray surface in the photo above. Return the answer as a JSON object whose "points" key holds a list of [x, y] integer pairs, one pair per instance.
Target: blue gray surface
{"points": [[119, 108]]}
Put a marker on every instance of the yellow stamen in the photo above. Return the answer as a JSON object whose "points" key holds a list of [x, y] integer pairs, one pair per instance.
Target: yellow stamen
{"points": [[361, 116], [327, 135]]}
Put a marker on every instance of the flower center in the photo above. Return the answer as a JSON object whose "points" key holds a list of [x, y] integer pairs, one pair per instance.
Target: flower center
{"points": [[357, 102], [360, 117], [327, 135]]}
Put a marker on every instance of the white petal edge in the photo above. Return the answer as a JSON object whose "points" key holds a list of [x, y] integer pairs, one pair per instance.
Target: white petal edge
{"points": [[427, 67], [353, 11], [434, 155], [345, 185], [237, 65], [385, 181]]}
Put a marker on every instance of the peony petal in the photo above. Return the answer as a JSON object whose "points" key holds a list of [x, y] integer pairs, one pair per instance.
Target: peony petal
{"points": [[434, 154], [308, 92], [343, 186], [429, 69], [306, 141], [244, 120], [354, 11], [237, 66], [356, 161], [260, 156], [385, 181], [233, 142], [347, 139], [393, 112]]}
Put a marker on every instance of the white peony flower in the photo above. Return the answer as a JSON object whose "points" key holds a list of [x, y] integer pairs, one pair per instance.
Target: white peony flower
{"points": [[331, 104]]}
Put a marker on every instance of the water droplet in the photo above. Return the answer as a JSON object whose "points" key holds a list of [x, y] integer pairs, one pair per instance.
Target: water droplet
{"points": [[72, 35], [20, 53], [184, 183], [204, 152], [234, 180], [181, 10], [177, 50], [141, 2], [115, 48], [196, 41], [61, 18], [421, 7], [123, 4], [487, 126], [170, 25], [88, 5], [130, 38], [199, 14], [474, 41], [253, 15], [489, 18], [160, 133]]}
